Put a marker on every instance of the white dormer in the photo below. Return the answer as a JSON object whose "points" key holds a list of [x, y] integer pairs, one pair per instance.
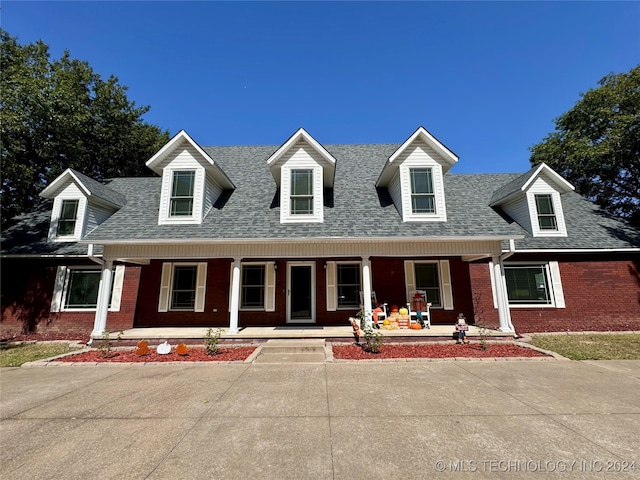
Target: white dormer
{"points": [[534, 201], [414, 177], [80, 204], [302, 169], [191, 181]]}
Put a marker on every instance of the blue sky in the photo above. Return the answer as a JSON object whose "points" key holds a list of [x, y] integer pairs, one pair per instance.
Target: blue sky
{"points": [[486, 78]]}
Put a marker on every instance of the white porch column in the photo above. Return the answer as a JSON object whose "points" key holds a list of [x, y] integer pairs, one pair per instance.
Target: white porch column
{"points": [[366, 291], [104, 292], [501, 296], [235, 297]]}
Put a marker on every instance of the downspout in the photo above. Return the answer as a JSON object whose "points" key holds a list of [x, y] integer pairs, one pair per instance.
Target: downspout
{"points": [[502, 258]]}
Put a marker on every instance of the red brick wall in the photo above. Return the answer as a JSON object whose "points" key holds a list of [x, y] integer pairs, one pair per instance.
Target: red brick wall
{"points": [[600, 295], [27, 290]]}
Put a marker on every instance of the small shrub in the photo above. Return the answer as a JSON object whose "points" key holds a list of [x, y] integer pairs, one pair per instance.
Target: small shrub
{"points": [[104, 346], [211, 340], [373, 340]]}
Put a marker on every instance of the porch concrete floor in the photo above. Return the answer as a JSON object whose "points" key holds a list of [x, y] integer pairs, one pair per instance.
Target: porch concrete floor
{"points": [[333, 332]]}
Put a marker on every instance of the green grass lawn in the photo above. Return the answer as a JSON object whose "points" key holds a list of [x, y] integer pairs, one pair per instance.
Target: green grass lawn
{"points": [[592, 347], [15, 354]]}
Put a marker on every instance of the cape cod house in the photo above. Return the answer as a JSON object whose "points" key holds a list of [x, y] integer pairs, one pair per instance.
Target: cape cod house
{"points": [[300, 234]]}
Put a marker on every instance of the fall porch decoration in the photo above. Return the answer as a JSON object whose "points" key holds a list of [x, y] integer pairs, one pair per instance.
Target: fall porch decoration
{"points": [[143, 348]]}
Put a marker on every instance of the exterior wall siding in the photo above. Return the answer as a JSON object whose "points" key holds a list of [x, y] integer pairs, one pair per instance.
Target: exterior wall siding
{"points": [[27, 289], [96, 214]]}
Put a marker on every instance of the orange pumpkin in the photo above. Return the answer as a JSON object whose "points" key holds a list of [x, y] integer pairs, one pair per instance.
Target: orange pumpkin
{"points": [[394, 308], [143, 348], [416, 326], [181, 349]]}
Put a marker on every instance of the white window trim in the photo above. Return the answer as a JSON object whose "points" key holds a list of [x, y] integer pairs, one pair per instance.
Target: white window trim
{"points": [[444, 282], [552, 272], [61, 288], [440, 214], [165, 217], [56, 212], [556, 201], [332, 284], [285, 195], [166, 287], [268, 286]]}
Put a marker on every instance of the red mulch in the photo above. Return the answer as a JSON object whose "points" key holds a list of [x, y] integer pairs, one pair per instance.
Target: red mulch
{"points": [[193, 355], [473, 350]]}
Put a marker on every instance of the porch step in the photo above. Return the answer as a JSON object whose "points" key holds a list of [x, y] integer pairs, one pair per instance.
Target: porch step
{"points": [[292, 351]]}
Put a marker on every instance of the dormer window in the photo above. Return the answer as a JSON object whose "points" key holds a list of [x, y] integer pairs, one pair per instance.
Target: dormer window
{"points": [[182, 193], [68, 218], [301, 198], [546, 214], [422, 197]]}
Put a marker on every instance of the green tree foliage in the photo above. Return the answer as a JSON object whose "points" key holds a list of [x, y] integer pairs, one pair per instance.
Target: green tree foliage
{"points": [[60, 114], [596, 145]]}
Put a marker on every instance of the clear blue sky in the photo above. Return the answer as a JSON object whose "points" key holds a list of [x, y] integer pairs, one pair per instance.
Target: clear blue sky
{"points": [[486, 78]]}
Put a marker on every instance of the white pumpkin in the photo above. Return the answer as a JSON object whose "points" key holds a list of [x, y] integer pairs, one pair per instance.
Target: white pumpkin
{"points": [[164, 348]]}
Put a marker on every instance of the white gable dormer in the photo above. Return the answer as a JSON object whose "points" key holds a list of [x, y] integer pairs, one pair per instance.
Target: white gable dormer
{"points": [[191, 181], [534, 201], [414, 177], [80, 204], [302, 169]]}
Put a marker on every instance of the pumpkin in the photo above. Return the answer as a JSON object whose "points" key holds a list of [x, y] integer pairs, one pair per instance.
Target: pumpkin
{"points": [[386, 322], [164, 348], [181, 349], [403, 311], [416, 326], [394, 308], [143, 348]]}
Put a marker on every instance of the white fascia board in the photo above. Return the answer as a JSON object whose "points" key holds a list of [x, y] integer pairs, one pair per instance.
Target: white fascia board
{"points": [[563, 185], [301, 133], [580, 250], [450, 157], [165, 151], [36, 255], [206, 241], [49, 192]]}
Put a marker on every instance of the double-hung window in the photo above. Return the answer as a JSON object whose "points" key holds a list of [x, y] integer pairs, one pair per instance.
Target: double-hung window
{"points": [[422, 195], [68, 218], [253, 281], [348, 285], [301, 201], [82, 288], [181, 203], [183, 295], [428, 279], [528, 285], [546, 214]]}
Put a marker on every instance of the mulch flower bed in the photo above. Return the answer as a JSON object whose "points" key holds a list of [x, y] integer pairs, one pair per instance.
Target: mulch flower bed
{"points": [[473, 350], [193, 355]]}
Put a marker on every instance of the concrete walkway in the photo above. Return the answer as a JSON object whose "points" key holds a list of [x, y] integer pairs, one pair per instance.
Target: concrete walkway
{"points": [[397, 420]]}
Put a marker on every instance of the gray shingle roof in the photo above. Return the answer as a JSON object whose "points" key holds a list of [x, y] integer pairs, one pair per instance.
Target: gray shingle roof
{"points": [[100, 190], [512, 187], [354, 208]]}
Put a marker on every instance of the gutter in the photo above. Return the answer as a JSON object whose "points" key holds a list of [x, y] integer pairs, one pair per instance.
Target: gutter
{"points": [[504, 256], [92, 257]]}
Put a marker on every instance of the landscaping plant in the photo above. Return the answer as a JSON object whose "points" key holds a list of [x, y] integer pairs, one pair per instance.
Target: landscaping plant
{"points": [[211, 340]]}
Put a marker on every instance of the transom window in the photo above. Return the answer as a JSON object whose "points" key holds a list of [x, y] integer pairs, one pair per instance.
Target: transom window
{"points": [[422, 197], [82, 288], [182, 193], [348, 283], [528, 284], [546, 214], [68, 217], [253, 277], [183, 295], [301, 192], [428, 279]]}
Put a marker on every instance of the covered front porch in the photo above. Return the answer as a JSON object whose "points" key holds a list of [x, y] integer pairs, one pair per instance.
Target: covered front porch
{"points": [[193, 335]]}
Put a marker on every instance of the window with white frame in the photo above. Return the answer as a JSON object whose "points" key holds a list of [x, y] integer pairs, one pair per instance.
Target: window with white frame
{"points": [[528, 284], [183, 293], [68, 218], [428, 279], [82, 288], [182, 188], [546, 214], [301, 197], [253, 286], [348, 285], [423, 198]]}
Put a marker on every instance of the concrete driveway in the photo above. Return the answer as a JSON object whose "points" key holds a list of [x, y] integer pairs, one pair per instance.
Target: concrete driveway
{"points": [[397, 420]]}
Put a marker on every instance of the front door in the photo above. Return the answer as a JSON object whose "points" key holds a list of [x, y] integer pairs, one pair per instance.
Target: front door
{"points": [[301, 288]]}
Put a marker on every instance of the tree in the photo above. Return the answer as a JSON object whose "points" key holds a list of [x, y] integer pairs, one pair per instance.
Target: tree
{"points": [[596, 145], [60, 114]]}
